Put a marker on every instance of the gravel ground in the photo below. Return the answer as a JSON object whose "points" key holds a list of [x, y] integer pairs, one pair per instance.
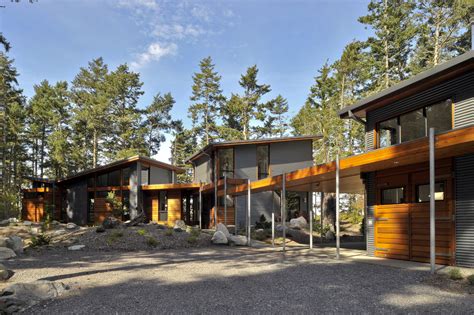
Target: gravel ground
{"points": [[231, 280]]}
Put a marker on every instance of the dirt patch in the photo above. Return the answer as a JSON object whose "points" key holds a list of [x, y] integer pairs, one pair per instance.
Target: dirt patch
{"points": [[442, 282]]}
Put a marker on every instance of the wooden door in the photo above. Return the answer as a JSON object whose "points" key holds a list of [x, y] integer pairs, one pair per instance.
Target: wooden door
{"points": [[392, 231]]}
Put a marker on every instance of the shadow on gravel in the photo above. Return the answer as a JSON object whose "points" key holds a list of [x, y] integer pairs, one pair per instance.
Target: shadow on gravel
{"points": [[267, 281]]}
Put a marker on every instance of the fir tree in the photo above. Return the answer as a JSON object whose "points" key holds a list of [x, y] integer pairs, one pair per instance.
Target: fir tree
{"points": [[182, 146]]}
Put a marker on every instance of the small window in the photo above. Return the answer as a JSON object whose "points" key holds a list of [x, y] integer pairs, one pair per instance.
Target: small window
{"points": [[439, 116], [262, 161], [423, 192], [163, 209], [393, 195], [226, 163], [412, 125], [388, 133], [145, 176]]}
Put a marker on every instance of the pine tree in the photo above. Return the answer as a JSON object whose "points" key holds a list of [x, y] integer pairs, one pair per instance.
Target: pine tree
{"points": [[158, 121], [91, 113], [182, 146], [127, 138], [275, 122], [207, 97]]}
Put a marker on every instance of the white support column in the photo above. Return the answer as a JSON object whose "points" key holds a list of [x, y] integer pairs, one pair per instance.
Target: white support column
{"points": [[225, 200], [249, 242], [337, 209], [310, 215], [432, 202], [273, 218], [200, 205], [283, 208]]}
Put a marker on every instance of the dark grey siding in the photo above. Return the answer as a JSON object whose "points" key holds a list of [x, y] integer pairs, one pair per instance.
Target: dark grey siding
{"points": [[459, 90], [76, 209], [245, 161], [290, 156], [203, 170], [160, 175], [464, 110], [464, 178], [369, 219]]}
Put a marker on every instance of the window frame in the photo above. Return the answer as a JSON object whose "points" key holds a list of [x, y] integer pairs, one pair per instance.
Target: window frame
{"points": [[399, 130], [219, 166], [403, 187], [427, 184], [268, 173]]}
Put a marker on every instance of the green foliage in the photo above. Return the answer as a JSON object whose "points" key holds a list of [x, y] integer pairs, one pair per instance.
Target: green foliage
{"points": [[142, 232], [182, 146], [40, 240], [262, 223], [158, 121], [195, 232], [114, 236], [470, 279], [152, 242], [455, 274], [169, 232], [192, 239], [116, 204]]}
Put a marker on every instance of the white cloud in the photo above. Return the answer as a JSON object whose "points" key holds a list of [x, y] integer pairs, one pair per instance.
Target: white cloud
{"points": [[139, 4], [177, 31], [155, 52]]}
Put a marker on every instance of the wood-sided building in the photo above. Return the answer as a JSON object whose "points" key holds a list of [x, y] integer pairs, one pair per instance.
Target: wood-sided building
{"points": [[140, 183]]}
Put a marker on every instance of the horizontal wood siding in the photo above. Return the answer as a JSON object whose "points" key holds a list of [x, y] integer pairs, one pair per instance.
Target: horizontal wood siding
{"points": [[221, 216], [174, 206], [464, 170]]}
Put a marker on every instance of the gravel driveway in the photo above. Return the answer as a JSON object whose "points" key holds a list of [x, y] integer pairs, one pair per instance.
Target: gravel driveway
{"points": [[231, 280]]}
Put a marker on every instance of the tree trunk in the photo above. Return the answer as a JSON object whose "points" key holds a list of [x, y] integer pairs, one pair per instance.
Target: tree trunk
{"points": [[94, 149], [43, 136], [436, 41], [387, 83], [329, 210]]}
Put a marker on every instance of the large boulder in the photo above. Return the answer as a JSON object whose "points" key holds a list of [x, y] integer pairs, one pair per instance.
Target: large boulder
{"points": [[237, 240], [20, 296], [15, 243], [298, 223], [5, 222], [6, 253], [179, 226], [221, 227], [5, 273], [219, 238], [111, 223], [3, 241]]}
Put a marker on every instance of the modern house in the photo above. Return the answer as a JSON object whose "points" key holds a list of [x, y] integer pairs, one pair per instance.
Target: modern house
{"points": [[144, 184]]}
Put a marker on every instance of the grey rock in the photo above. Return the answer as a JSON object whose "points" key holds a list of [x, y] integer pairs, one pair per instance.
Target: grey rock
{"points": [[71, 226], [20, 296], [221, 227], [27, 223], [237, 240], [3, 241], [111, 223], [15, 243], [13, 220], [59, 232], [219, 238], [35, 230], [5, 273], [179, 224], [298, 223], [6, 253], [76, 247], [4, 222]]}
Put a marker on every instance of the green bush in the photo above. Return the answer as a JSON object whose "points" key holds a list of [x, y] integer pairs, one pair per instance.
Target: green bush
{"points": [[152, 242], [470, 279], [455, 274], [317, 227], [192, 239], [195, 232], [169, 232], [142, 232], [114, 236], [262, 223], [40, 240]]}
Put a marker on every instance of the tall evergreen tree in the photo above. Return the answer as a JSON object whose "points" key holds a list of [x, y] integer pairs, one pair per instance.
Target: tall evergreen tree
{"points": [[275, 122], [182, 146], [158, 121], [207, 99]]}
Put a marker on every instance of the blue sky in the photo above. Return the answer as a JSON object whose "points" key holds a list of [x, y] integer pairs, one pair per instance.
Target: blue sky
{"points": [[165, 40]]}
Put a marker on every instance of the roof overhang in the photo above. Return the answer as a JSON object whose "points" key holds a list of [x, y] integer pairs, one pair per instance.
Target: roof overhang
{"points": [[420, 82], [322, 177]]}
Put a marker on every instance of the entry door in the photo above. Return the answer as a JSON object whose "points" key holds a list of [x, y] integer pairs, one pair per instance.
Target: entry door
{"points": [[392, 231]]}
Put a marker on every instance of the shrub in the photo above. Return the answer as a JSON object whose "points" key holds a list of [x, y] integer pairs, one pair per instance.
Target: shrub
{"points": [[114, 235], [262, 223], [455, 274], [40, 240], [192, 239], [195, 232], [169, 232], [152, 242], [470, 279], [142, 232]]}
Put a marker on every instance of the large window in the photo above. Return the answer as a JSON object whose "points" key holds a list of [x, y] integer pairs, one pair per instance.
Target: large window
{"points": [[145, 172], [226, 163], [393, 195], [415, 124], [114, 178], [423, 192], [263, 161], [388, 132]]}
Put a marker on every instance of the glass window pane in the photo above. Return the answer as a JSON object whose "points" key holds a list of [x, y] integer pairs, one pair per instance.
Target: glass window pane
{"points": [[126, 176], [423, 192], [102, 180], [145, 176], [393, 195], [262, 161], [163, 209], [388, 133], [226, 163], [412, 125], [439, 116], [114, 178]]}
